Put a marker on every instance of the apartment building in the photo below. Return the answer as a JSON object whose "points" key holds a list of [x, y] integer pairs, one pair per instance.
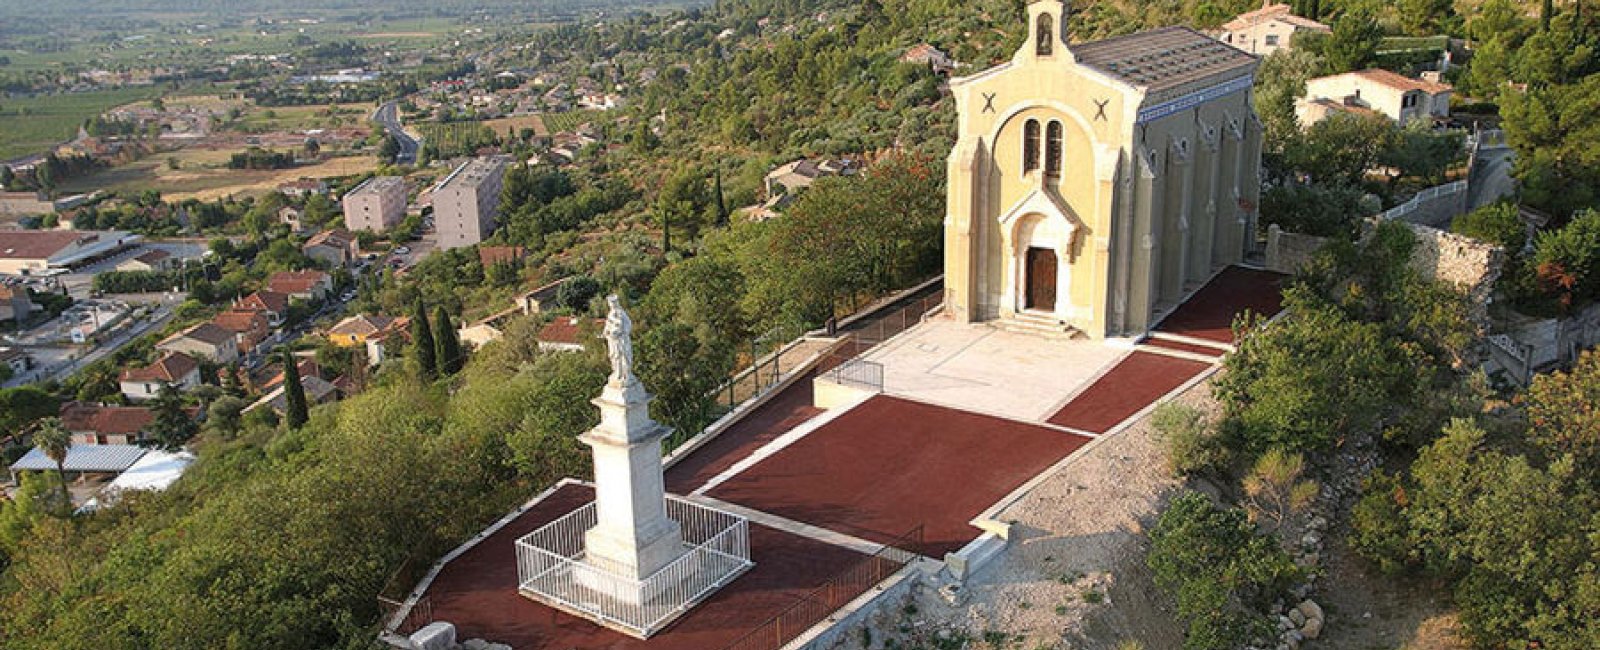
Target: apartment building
{"points": [[375, 205], [466, 203]]}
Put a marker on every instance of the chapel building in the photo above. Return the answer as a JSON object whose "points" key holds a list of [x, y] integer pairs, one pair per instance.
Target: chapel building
{"points": [[1094, 185]]}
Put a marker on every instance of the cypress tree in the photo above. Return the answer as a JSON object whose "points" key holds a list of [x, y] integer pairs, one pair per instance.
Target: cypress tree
{"points": [[448, 346], [1545, 13], [296, 412], [722, 203], [422, 342]]}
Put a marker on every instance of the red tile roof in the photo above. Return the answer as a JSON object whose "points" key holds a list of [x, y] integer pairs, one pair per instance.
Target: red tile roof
{"points": [[80, 416], [170, 368], [264, 301], [240, 321], [363, 325], [1400, 82], [293, 282], [337, 238], [205, 333], [564, 329]]}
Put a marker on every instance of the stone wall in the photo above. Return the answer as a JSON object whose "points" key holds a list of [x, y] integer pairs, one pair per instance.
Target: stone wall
{"points": [[1465, 263], [1287, 251]]}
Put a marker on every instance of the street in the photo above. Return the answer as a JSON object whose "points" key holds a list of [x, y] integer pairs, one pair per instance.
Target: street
{"points": [[388, 115]]}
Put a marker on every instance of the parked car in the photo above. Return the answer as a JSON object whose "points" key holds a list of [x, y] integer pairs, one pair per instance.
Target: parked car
{"points": [[403, 250]]}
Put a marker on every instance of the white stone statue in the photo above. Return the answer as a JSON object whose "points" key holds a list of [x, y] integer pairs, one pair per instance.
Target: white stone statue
{"points": [[619, 342]]}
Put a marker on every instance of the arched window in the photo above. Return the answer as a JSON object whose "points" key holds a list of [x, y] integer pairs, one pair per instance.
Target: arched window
{"points": [[1030, 146], [1046, 36], [1052, 150]]}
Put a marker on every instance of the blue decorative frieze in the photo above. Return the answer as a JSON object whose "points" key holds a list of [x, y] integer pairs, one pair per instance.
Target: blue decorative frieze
{"points": [[1191, 100]]}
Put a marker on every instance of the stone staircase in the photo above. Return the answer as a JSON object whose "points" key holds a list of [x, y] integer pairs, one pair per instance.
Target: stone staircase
{"points": [[1039, 325]]}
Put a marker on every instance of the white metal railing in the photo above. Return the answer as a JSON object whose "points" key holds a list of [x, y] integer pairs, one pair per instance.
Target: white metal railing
{"points": [[551, 568], [1421, 199]]}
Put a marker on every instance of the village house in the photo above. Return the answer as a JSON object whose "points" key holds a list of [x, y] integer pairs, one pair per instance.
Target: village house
{"points": [[273, 304], [356, 330], [250, 328], [310, 286], [174, 369], [292, 217], [303, 188], [153, 261], [204, 341], [97, 424], [15, 304], [1266, 30], [1399, 98], [270, 375], [336, 247], [928, 55], [317, 390], [1093, 185]]}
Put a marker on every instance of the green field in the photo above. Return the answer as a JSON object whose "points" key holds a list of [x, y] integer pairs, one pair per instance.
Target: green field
{"points": [[30, 125]]}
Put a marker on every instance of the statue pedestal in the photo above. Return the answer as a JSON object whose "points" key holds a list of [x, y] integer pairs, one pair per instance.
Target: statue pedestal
{"points": [[633, 538]]}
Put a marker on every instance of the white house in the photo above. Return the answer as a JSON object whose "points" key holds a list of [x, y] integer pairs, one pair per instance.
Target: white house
{"points": [[172, 369], [1399, 98]]}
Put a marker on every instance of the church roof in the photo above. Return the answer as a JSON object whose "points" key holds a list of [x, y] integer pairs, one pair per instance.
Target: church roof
{"points": [[1164, 58]]}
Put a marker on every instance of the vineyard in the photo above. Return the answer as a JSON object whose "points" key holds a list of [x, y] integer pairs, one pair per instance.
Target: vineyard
{"points": [[453, 139], [569, 121]]}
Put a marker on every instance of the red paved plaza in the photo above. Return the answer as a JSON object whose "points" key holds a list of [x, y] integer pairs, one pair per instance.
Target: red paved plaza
{"points": [[1209, 313], [890, 465], [478, 591], [1135, 383]]}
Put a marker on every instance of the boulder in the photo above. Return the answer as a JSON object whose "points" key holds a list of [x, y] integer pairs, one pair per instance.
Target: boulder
{"points": [[1313, 628], [1297, 618], [1309, 609], [438, 635]]}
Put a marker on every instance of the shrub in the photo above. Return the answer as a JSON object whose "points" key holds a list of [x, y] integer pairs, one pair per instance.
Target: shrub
{"points": [[1221, 571], [1193, 447]]}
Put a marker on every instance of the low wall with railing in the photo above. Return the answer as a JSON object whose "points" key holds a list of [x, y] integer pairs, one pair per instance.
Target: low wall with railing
{"points": [[1435, 206]]}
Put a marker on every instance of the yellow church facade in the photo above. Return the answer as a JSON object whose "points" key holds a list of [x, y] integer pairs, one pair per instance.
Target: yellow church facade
{"points": [[1094, 185]]}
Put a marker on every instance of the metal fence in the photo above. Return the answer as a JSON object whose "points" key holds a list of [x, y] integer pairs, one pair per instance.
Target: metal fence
{"points": [[837, 592], [765, 373], [551, 568], [391, 601], [857, 373]]}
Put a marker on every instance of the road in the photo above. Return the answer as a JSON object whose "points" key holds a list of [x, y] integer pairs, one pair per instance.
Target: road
{"points": [[388, 115], [119, 338], [1491, 177]]}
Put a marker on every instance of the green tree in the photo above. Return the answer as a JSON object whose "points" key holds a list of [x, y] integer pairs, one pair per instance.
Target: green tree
{"points": [[52, 439], [1354, 42], [296, 410], [1424, 17], [173, 426], [423, 347], [681, 370], [449, 355], [1498, 223], [22, 405]]}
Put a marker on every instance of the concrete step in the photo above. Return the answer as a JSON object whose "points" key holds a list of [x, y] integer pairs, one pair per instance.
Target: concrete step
{"points": [[1190, 340], [1036, 325]]}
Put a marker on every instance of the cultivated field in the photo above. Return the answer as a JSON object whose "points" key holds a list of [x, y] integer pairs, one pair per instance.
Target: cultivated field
{"points": [[33, 125], [569, 121], [518, 123], [302, 118], [203, 174]]}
